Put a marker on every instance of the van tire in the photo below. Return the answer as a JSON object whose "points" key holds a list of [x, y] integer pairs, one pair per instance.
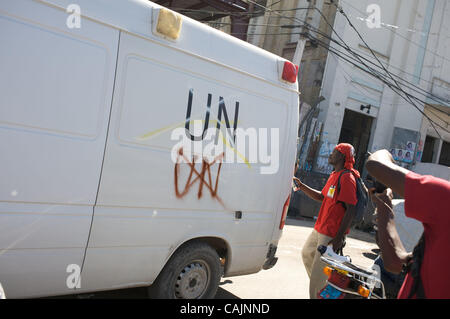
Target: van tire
{"points": [[193, 272]]}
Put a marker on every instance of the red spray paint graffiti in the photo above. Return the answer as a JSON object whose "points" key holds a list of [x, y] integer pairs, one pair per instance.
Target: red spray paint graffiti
{"points": [[199, 176]]}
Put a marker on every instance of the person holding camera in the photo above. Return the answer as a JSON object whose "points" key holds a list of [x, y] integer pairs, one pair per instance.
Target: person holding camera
{"points": [[426, 200]]}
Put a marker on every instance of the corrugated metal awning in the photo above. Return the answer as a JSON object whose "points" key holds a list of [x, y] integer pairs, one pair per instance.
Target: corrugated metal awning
{"points": [[210, 10]]}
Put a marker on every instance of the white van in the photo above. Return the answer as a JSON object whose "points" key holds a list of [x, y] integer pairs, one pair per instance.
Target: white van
{"points": [[91, 197]]}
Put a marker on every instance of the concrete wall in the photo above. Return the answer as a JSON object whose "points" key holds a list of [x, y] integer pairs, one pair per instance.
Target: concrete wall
{"points": [[302, 205], [433, 169]]}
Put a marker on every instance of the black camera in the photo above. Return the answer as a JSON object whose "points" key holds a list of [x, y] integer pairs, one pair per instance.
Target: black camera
{"points": [[373, 183]]}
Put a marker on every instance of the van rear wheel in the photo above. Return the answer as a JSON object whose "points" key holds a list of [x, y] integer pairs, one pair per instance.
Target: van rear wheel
{"points": [[193, 272]]}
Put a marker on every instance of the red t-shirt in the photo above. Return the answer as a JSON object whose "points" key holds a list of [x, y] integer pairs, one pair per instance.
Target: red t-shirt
{"points": [[427, 199], [332, 212]]}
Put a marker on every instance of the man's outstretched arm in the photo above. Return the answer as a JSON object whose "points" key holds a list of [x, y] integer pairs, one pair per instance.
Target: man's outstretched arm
{"points": [[382, 167], [310, 192], [392, 250]]}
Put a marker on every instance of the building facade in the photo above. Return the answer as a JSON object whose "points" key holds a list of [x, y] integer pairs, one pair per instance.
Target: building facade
{"points": [[413, 44], [411, 40], [342, 102]]}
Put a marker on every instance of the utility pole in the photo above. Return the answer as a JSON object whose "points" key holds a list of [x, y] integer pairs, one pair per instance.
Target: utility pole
{"points": [[299, 51]]}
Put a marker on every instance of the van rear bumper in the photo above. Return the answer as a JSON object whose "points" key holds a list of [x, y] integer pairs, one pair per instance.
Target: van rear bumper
{"points": [[271, 260]]}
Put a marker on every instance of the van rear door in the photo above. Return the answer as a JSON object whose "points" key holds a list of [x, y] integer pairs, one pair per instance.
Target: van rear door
{"points": [[146, 206]]}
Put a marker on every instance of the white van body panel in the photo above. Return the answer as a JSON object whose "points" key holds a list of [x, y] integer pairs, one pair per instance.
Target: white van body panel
{"points": [[88, 178], [56, 88]]}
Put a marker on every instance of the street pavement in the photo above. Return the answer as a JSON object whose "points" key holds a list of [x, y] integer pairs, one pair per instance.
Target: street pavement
{"points": [[286, 280]]}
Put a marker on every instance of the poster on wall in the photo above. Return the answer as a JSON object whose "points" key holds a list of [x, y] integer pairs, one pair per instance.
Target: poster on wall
{"points": [[394, 153], [399, 154], [411, 146], [404, 141], [408, 156]]}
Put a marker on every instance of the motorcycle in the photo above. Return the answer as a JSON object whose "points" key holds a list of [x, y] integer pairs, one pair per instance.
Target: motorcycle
{"points": [[349, 281]]}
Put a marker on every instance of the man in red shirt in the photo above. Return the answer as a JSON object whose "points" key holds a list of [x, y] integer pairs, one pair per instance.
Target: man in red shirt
{"points": [[427, 200], [335, 216]]}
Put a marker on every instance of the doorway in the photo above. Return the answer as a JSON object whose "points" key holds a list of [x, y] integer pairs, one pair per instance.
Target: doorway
{"points": [[355, 130], [429, 149]]}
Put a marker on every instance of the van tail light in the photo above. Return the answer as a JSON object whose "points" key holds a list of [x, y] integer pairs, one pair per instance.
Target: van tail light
{"points": [[289, 71], [285, 210]]}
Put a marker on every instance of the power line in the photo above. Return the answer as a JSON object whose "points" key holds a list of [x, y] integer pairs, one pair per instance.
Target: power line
{"points": [[347, 47], [384, 77], [408, 84], [406, 97], [275, 3], [395, 88], [390, 85], [311, 28], [249, 24], [393, 31], [435, 98], [372, 71], [231, 13], [214, 12]]}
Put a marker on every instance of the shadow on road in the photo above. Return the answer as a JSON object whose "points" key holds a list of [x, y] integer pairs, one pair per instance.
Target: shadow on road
{"points": [[129, 293], [223, 294], [137, 293]]}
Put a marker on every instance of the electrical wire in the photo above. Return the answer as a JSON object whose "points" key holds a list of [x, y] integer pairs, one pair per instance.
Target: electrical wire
{"points": [[384, 77], [393, 31], [397, 85], [405, 82], [242, 13], [249, 24], [394, 86]]}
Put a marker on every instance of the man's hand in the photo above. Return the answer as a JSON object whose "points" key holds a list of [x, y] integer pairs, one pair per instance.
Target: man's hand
{"points": [[297, 183], [337, 243], [382, 167], [310, 192], [383, 202]]}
